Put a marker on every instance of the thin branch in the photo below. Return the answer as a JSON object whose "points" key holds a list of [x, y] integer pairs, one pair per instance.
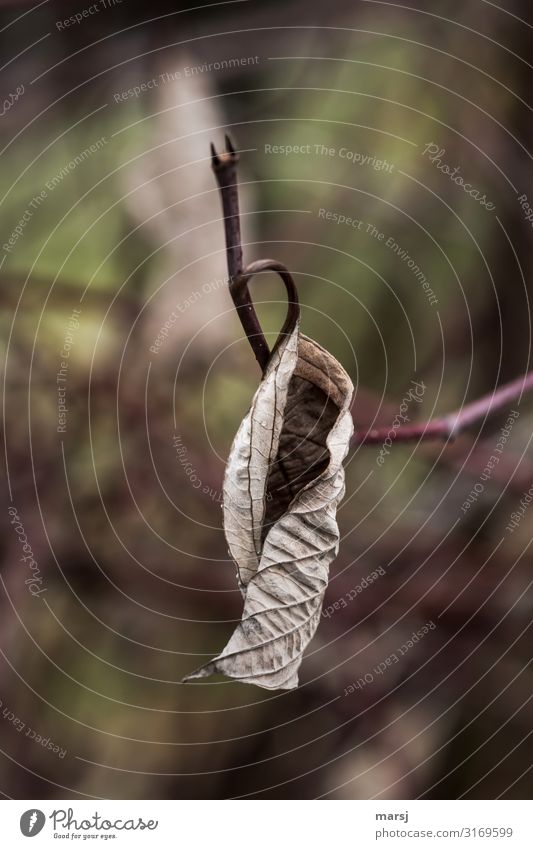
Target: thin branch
{"points": [[450, 426], [225, 168]]}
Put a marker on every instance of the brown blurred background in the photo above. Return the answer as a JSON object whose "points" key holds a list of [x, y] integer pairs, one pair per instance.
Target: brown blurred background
{"points": [[132, 586]]}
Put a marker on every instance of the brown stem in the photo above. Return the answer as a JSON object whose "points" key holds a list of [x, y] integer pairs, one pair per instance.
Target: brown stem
{"points": [[450, 426], [225, 168]]}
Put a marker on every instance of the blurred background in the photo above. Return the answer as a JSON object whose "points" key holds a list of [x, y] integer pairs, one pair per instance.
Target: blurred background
{"points": [[127, 375]]}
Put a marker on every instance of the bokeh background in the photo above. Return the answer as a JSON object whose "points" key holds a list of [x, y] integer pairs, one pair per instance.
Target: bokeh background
{"points": [[122, 506]]}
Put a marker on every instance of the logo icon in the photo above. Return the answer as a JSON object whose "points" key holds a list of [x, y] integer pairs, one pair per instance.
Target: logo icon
{"points": [[32, 822]]}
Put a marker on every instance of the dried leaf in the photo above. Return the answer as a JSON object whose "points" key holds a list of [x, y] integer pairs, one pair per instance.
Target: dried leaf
{"points": [[283, 483]]}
